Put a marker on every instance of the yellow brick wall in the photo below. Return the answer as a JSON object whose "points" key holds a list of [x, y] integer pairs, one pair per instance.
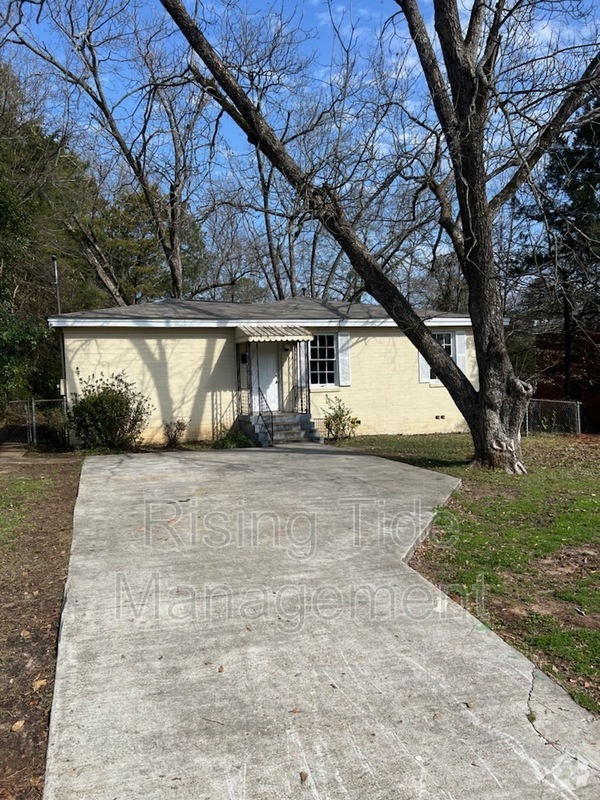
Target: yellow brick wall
{"points": [[184, 374], [192, 374], [385, 393]]}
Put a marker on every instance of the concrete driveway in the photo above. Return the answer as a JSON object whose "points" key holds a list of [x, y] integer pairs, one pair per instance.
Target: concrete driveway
{"points": [[241, 625]]}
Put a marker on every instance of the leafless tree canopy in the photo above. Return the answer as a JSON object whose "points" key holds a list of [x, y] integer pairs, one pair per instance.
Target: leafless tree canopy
{"points": [[132, 108]]}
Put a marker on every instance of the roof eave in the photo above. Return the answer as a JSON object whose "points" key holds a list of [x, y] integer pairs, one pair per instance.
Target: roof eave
{"points": [[113, 322]]}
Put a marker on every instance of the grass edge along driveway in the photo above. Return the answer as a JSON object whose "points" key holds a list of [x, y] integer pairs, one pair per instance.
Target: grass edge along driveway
{"points": [[521, 552]]}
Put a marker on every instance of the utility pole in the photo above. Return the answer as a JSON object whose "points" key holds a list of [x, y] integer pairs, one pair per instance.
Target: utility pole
{"points": [[56, 284]]}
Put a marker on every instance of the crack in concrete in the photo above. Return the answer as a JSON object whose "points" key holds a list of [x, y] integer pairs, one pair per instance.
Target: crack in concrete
{"points": [[531, 716]]}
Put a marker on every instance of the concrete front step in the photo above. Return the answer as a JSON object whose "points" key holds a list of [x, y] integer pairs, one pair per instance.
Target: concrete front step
{"points": [[297, 418], [291, 426], [279, 437], [287, 427], [294, 428]]}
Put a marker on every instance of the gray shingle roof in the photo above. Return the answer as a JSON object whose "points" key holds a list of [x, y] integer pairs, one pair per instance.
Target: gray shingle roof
{"points": [[297, 308]]}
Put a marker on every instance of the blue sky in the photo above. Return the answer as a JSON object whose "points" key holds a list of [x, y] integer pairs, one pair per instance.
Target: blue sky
{"points": [[316, 16]]}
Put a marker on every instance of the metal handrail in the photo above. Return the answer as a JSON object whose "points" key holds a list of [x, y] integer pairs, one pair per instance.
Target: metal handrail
{"points": [[244, 402], [265, 413], [301, 399]]}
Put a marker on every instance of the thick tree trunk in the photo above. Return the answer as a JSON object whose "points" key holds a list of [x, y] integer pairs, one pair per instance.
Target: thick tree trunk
{"points": [[496, 431], [495, 420]]}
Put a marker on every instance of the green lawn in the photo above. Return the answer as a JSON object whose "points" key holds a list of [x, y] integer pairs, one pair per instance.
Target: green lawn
{"points": [[532, 542]]}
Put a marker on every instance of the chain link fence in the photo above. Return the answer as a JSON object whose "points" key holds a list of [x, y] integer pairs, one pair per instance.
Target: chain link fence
{"points": [[16, 423], [34, 422], [552, 416]]}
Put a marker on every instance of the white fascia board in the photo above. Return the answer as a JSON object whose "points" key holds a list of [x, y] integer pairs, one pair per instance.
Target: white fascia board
{"points": [[111, 322], [444, 322]]}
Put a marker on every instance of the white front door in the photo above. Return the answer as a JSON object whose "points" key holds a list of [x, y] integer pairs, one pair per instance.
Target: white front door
{"points": [[268, 373]]}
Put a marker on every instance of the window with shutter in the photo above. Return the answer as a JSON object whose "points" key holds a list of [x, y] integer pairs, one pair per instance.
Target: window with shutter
{"points": [[330, 360], [455, 344]]}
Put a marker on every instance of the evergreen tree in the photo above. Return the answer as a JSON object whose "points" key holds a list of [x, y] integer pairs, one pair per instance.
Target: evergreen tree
{"points": [[41, 183], [564, 294]]}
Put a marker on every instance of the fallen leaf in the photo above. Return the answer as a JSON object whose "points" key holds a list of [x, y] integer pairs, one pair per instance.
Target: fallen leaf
{"points": [[303, 777], [25, 634], [17, 726], [39, 684], [221, 669]]}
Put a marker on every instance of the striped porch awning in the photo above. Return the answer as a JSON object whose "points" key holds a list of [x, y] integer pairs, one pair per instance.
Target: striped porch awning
{"points": [[272, 333]]}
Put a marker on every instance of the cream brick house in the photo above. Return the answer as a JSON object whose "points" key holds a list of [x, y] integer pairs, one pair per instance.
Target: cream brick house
{"points": [[268, 367]]}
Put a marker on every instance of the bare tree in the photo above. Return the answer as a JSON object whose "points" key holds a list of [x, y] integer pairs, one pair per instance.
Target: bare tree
{"points": [[127, 86], [334, 129], [479, 78]]}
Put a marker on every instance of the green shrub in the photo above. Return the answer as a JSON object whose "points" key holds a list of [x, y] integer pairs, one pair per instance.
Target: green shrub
{"points": [[174, 432], [229, 440], [109, 413], [339, 422]]}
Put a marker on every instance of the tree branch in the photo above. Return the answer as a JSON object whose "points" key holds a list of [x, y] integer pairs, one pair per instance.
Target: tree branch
{"points": [[590, 79]]}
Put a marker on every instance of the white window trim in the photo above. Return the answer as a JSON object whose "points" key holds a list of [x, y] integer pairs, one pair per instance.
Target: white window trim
{"points": [[336, 366], [341, 343], [459, 355]]}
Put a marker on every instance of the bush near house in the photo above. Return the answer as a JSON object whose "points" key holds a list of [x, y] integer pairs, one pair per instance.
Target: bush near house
{"points": [[109, 413], [339, 421], [174, 432], [231, 439]]}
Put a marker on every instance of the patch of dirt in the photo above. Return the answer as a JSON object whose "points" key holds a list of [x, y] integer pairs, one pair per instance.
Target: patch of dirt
{"points": [[516, 612], [570, 562], [588, 438], [474, 491], [33, 570], [560, 571]]}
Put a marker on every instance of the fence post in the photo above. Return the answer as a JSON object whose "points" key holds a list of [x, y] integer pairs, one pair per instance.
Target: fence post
{"points": [[33, 422], [27, 407], [527, 420], [578, 417]]}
